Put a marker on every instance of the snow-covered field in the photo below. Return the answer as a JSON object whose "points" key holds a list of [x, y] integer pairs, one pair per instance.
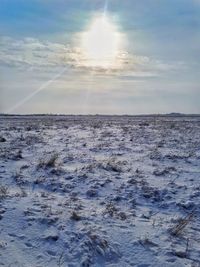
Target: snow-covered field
{"points": [[99, 191]]}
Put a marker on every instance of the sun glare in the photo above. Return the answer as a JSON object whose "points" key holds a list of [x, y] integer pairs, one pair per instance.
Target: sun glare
{"points": [[101, 43]]}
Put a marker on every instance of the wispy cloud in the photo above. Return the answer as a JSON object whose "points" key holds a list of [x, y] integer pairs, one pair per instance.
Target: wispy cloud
{"points": [[33, 53]]}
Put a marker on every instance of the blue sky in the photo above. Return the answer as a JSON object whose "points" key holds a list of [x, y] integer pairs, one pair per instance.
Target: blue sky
{"points": [[159, 58]]}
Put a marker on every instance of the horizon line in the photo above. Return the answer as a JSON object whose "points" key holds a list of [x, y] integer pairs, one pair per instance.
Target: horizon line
{"points": [[175, 114]]}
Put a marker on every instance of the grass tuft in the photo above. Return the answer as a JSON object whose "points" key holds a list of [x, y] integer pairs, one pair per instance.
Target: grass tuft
{"points": [[182, 223]]}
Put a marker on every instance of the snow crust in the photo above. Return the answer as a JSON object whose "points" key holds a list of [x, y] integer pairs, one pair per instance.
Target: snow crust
{"points": [[99, 191]]}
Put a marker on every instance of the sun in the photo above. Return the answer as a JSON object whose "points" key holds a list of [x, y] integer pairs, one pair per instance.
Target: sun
{"points": [[101, 43]]}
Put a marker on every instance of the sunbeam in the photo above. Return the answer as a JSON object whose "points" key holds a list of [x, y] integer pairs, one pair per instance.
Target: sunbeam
{"points": [[105, 7], [42, 87]]}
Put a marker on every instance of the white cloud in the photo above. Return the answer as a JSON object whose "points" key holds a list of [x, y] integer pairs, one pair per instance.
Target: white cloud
{"points": [[33, 53]]}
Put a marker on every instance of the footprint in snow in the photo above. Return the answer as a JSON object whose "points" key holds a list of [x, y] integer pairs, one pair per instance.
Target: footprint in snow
{"points": [[29, 245], [52, 253]]}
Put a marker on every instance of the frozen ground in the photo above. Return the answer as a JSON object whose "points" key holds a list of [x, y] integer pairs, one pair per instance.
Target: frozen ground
{"points": [[99, 191]]}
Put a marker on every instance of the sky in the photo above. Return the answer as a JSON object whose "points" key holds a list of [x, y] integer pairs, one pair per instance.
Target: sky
{"points": [[99, 56]]}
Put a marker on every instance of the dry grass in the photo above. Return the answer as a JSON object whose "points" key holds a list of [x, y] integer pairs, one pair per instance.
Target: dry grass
{"points": [[48, 163], [3, 192], [182, 223], [75, 216], [61, 260], [146, 242]]}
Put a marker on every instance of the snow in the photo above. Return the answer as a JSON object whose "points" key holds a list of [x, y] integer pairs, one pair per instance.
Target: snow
{"points": [[99, 191]]}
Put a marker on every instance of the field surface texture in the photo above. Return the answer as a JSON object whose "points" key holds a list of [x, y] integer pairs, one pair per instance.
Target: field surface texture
{"points": [[99, 191]]}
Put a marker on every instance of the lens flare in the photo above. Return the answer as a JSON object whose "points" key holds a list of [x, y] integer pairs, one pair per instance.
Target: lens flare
{"points": [[101, 43]]}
